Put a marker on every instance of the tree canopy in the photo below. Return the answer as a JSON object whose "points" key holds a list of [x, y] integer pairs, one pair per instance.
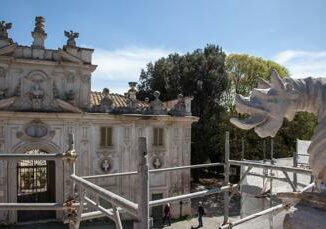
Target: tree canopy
{"points": [[213, 78], [244, 73], [200, 74]]}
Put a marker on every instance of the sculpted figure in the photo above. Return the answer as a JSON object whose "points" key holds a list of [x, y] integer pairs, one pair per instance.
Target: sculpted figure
{"points": [[268, 104], [4, 27], [71, 38]]}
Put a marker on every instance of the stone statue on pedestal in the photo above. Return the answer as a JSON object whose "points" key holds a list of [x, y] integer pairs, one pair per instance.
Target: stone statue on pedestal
{"points": [[71, 35], [39, 34], [4, 27]]}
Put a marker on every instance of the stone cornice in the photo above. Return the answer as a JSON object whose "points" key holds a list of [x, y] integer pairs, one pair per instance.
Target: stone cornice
{"points": [[94, 117], [11, 59]]}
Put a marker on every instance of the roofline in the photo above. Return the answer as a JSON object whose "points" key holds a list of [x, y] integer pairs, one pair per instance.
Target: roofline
{"points": [[14, 115]]}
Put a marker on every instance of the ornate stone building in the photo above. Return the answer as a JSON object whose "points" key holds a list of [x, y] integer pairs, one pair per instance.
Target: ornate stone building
{"points": [[45, 94]]}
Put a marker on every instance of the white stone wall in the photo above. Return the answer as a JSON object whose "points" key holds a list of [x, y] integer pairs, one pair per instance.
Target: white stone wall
{"points": [[122, 155]]}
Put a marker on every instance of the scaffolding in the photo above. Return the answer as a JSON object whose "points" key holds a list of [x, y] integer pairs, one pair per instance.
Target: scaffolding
{"points": [[73, 207]]}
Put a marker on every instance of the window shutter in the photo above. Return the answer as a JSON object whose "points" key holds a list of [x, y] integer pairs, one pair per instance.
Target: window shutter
{"points": [[158, 137], [160, 140], [109, 136], [103, 136], [155, 136]]}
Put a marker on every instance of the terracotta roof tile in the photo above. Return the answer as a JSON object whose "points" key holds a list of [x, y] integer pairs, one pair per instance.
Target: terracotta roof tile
{"points": [[117, 100]]}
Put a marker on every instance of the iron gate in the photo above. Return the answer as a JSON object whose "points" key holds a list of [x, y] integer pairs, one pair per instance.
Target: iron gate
{"points": [[35, 184]]}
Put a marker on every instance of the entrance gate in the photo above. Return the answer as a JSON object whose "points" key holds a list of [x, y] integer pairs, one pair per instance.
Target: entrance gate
{"points": [[35, 184]]}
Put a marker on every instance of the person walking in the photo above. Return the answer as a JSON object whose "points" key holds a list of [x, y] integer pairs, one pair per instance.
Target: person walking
{"points": [[201, 213], [167, 214]]}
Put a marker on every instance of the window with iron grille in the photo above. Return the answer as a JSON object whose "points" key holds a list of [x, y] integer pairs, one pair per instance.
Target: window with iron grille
{"points": [[158, 137], [106, 137]]}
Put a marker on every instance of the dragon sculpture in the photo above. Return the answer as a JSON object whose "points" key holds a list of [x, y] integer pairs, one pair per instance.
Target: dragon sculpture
{"points": [[268, 104]]}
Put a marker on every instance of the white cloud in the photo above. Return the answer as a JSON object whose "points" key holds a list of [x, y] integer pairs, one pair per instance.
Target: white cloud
{"points": [[303, 63], [121, 66]]}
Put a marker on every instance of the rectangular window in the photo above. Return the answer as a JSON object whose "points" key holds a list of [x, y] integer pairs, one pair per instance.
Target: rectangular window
{"points": [[158, 137], [106, 136]]}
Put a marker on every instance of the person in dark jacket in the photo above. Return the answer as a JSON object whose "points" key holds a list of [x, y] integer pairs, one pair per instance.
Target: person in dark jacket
{"points": [[201, 213], [167, 213]]}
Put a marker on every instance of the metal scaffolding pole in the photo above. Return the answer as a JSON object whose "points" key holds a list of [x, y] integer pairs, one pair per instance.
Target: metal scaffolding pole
{"points": [[226, 177], [192, 195], [31, 206], [274, 167], [143, 188], [271, 216], [275, 209], [155, 170], [115, 199]]}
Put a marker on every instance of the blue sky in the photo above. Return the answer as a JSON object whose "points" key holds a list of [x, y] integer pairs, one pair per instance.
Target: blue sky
{"points": [[128, 34]]}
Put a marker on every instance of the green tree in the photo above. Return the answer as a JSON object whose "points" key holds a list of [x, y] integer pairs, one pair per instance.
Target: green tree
{"points": [[200, 74], [244, 73]]}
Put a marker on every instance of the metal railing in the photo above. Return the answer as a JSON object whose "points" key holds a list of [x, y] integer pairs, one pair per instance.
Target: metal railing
{"points": [[140, 210]]}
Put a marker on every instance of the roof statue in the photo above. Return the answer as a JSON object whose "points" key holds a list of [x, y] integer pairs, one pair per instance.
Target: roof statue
{"points": [[71, 35], [39, 34], [268, 104], [4, 27]]}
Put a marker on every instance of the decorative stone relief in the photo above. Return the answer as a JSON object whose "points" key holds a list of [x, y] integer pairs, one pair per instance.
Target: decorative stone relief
{"points": [[70, 78], [17, 91], [70, 96], [270, 103], [105, 164], [35, 92], [35, 130], [55, 91], [37, 95], [157, 162], [156, 159]]}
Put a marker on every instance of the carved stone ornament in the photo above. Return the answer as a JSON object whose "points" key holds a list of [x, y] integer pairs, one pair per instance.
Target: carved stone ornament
{"points": [[156, 105], [105, 164], [36, 96], [271, 102], [36, 130], [70, 78], [71, 35], [180, 108], [4, 27], [105, 103], [39, 34], [157, 162]]}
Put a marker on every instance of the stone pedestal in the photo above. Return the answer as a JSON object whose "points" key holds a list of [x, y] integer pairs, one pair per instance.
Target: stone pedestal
{"points": [[305, 217]]}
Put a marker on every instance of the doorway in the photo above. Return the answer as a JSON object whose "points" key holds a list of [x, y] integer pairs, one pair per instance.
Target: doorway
{"points": [[35, 184], [157, 211]]}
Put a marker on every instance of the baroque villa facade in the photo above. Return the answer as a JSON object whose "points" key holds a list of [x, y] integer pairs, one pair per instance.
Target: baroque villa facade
{"points": [[45, 94]]}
